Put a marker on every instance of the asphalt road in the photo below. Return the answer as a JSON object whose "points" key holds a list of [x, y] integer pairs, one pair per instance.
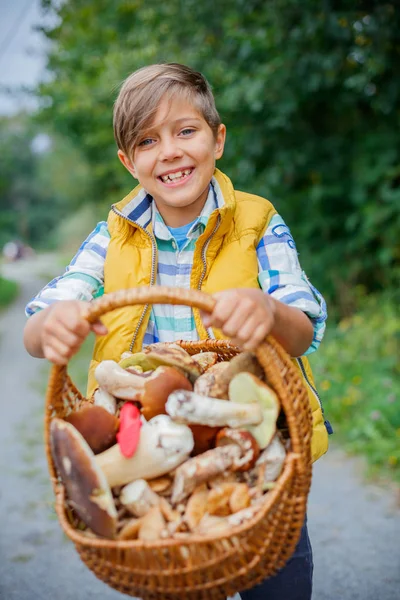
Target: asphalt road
{"points": [[354, 526]]}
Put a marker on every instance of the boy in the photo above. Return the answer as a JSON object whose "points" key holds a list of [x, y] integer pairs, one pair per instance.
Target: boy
{"points": [[186, 226]]}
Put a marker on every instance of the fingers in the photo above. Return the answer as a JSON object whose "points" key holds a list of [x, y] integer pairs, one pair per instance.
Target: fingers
{"points": [[98, 328], [243, 315], [63, 332]]}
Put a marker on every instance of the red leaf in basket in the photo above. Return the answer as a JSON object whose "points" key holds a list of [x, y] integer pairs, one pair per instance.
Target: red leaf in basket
{"points": [[129, 429]]}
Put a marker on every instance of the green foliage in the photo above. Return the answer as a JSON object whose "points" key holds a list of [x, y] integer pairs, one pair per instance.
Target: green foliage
{"points": [[37, 188], [358, 370], [309, 93], [8, 291]]}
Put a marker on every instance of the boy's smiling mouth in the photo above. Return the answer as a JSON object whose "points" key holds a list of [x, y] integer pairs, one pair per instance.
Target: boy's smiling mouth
{"points": [[176, 176]]}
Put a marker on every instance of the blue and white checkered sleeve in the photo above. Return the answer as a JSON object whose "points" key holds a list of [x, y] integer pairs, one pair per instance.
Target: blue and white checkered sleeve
{"points": [[83, 279], [281, 276]]}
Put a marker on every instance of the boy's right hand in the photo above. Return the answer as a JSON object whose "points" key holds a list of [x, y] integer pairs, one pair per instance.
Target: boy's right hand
{"points": [[65, 329]]}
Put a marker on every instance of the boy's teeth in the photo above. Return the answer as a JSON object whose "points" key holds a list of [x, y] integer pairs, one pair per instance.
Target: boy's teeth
{"points": [[176, 175]]}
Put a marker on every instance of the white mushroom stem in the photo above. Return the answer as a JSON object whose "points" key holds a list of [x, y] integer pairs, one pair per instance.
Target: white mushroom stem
{"points": [[272, 458], [201, 468], [189, 407], [163, 445], [105, 400], [139, 498], [118, 381]]}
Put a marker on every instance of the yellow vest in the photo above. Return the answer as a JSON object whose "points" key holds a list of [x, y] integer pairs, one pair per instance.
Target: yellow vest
{"points": [[224, 258]]}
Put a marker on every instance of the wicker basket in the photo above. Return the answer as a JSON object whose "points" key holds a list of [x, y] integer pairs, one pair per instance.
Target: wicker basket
{"points": [[200, 567]]}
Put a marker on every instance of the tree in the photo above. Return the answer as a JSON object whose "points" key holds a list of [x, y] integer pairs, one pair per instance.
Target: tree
{"points": [[309, 92]]}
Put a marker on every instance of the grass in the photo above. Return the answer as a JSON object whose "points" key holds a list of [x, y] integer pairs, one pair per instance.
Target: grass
{"points": [[8, 292], [357, 369]]}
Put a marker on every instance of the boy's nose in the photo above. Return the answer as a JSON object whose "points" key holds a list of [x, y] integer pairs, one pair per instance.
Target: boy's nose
{"points": [[169, 149]]}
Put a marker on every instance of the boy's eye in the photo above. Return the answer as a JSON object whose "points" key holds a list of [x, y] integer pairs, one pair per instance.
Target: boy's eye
{"points": [[146, 142], [187, 131]]}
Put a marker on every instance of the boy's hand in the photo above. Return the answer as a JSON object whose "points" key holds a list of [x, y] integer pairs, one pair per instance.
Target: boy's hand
{"points": [[64, 330], [245, 315]]}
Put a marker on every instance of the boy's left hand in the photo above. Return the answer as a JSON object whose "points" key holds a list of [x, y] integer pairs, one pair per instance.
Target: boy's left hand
{"points": [[245, 315]]}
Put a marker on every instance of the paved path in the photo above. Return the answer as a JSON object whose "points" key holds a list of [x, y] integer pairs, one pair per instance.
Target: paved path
{"points": [[355, 528]]}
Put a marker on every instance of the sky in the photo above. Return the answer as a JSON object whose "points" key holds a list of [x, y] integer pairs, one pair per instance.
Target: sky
{"points": [[22, 51]]}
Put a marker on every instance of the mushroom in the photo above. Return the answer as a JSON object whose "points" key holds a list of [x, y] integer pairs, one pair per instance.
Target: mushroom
{"points": [[87, 488], [174, 356], [204, 437], [152, 525], [97, 426], [206, 360], [139, 498], [138, 360], [163, 445], [208, 383], [272, 458], [248, 445], [106, 400], [151, 388], [189, 407], [196, 506], [246, 388], [202, 468], [217, 385]]}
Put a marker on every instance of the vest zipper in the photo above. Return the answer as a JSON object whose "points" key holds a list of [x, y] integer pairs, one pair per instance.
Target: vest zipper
{"points": [[203, 258], [152, 275], [326, 422]]}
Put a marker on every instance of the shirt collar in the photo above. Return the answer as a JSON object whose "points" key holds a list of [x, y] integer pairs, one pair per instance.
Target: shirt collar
{"points": [[162, 232], [142, 210]]}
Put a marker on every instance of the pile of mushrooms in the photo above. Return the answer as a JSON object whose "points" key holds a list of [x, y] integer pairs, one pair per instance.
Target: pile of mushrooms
{"points": [[171, 445]]}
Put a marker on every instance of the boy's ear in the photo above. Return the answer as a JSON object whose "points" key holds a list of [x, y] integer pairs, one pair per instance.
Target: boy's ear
{"points": [[220, 141], [127, 163]]}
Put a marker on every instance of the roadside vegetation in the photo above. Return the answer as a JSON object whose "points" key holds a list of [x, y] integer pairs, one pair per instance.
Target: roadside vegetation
{"points": [[358, 373], [8, 292]]}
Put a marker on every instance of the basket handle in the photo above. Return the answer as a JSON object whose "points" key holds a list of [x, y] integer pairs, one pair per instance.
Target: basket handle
{"points": [[148, 295], [300, 432]]}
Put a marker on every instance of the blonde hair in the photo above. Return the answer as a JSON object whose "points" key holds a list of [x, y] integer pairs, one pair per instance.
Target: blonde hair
{"points": [[142, 92]]}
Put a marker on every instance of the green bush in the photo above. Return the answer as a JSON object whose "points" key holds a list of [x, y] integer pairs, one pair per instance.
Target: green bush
{"points": [[8, 291], [358, 372]]}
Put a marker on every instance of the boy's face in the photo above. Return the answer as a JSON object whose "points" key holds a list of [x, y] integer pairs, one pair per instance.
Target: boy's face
{"points": [[175, 160]]}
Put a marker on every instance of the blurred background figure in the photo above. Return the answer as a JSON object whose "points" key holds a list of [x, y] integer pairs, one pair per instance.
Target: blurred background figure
{"points": [[15, 249]]}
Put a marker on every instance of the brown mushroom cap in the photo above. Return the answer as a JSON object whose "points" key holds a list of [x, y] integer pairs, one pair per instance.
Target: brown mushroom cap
{"points": [[247, 443], [174, 356], [96, 425], [87, 488], [157, 388]]}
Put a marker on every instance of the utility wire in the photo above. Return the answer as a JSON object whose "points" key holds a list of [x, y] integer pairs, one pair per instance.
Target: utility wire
{"points": [[14, 29]]}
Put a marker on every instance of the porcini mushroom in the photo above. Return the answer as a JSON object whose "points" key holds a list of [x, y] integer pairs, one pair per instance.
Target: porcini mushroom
{"points": [[247, 443], [163, 445], [174, 356], [189, 407], [87, 488], [138, 497], [272, 459], [97, 426], [247, 388], [202, 468], [105, 400], [215, 382], [150, 388]]}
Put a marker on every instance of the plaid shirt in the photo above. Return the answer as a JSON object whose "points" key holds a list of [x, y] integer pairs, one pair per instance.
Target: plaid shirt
{"points": [[279, 272]]}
